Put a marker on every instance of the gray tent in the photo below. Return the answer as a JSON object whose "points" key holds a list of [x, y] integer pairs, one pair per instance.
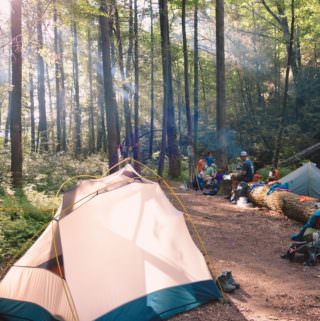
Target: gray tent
{"points": [[305, 180]]}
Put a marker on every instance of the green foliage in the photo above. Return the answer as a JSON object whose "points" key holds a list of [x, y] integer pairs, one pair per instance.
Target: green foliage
{"points": [[19, 220], [24, 213]]}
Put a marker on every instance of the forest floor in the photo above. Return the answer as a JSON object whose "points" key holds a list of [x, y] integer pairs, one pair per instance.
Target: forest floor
{"points": [[248, 242]]}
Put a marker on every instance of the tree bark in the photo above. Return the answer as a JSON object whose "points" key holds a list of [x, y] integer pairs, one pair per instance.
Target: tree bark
{"points": [[151, 82], [77, 108], [42, 128], [15, 128], [168, 109], [62, 96], [125, 85], [196, 79], [109, 96], [50, 124], [136, 83], [31, 96], [285, 94], [298, 156], [57, 76], [91, 140], [221, 96], [283, 202], [7, 126], [186, 92], [101, 135]]}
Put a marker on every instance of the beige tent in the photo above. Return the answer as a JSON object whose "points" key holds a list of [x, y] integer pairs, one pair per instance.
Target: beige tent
{"points": [[117, 249]]}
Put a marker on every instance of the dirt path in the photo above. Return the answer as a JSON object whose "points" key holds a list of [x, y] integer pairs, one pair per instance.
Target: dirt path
{"points": [[249, 242]]}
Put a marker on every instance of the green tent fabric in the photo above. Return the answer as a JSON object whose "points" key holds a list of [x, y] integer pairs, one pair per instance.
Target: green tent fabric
{"points": [[305, 180]]}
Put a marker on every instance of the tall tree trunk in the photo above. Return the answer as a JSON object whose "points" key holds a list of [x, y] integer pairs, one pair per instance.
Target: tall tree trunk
{"points": [[62, 96], [15, 128], [136, 83], [221, 96], [42, 128], [285, 94], [186, 92], [173, 150], [109, 95], [91, 141], [125, 85], [7, 126], [101, 135], [196, 79], [151, 82], [51, 130], [77, 108], [57, 76], [130, 45], [180, 107], [31, 96], [204, 96]]}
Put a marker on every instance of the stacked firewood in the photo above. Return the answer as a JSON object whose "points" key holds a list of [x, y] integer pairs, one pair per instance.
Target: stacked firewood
{"points": [[285, 202]]}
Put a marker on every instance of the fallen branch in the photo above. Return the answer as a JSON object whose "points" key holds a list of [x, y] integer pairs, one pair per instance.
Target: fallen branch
{"points": [[297, 157]]}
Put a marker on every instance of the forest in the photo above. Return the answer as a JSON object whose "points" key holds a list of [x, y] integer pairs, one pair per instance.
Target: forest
{"points": [[158, 81], [86, 84]]}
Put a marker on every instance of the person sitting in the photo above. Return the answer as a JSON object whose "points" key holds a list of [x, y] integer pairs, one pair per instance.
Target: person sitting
{"points": [[244, 174], [273, 175], [201, 164], [199, 182], [210, 173], [306, 241]]}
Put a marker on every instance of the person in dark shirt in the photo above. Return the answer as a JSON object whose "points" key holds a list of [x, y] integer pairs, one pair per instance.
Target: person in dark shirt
{"points": [[245, 174], [247, 169]]}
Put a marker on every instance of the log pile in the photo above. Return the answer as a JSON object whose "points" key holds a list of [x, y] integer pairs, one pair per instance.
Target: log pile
{"points": [[283, 202]]}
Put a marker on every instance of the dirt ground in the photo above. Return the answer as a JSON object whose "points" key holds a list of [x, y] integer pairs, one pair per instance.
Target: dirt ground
{"points": [[249, 242]]}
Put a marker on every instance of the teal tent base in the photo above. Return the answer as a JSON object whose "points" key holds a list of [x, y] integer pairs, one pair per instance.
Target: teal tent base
{"points": [[163, 304], [156, 306], [13, 310]]}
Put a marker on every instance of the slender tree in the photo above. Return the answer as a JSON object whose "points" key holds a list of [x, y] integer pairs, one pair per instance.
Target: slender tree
{"points": [[42, 128], [125, 86], [109, 95], [286, 88], [15, 128], [196, 78], [186, 91], [62, 95], [101, 133], [136, 83], [7, 126], [151, 82], [221, 95], [57, 75], [31, 97], [91, 141], [51, 129], [168, 105], [77, 108]]}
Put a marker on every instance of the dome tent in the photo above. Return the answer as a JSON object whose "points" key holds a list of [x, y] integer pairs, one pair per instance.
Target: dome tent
{"points": [[117, 249], [305, 180]]}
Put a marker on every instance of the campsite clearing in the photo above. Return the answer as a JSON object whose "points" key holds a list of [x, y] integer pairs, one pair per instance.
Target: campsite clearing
{"points": [[249, 242]]}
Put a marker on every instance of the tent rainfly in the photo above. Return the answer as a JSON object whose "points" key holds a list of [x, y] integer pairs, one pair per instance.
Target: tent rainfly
{"points": [[117, 249], [305, 180]]}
